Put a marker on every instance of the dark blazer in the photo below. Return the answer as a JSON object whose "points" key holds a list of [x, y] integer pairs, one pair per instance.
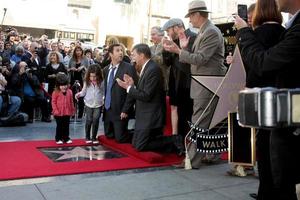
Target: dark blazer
{"points": [[268, 35], [180, 73], [150, 98], [119, 101], [51, 71], [283, 58], [38, 68]]}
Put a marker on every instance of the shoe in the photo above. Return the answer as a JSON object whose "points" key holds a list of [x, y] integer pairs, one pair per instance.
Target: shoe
{"points": [[46, 119], [69, 141], [95, 142], [59, 142], [88, 141], [178, 142], [253, 195]]}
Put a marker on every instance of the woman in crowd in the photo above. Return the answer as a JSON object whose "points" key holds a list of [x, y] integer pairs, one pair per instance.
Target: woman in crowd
{"points": [[52, 69], [77, 67], [266, 23]]}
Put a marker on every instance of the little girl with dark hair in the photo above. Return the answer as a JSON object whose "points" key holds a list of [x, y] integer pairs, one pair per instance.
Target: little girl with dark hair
{"points": [[62, 108], [93, 93]]}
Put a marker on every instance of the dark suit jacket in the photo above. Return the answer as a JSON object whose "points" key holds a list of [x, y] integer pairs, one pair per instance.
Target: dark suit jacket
{"points": [[119, 101], [150, 98], [282, 59], [180, 73], [38, 68]]}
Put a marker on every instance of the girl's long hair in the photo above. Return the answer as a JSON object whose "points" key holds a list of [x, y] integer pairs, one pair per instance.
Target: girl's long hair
{"points": [[96, 69]]}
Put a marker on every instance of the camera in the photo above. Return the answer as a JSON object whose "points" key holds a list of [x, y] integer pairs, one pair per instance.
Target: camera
{"points": [[28, 70], [269, 107], [36, 50]]}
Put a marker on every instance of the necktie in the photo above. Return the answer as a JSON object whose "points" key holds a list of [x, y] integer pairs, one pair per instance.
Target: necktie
{"points": [[108, 88]]}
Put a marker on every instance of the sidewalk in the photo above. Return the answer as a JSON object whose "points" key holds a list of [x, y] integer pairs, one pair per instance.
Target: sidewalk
{"points": [[168, 183]]}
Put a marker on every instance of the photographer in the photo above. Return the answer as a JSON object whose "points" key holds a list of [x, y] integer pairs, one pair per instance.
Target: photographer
{"points": [[10, 103], [34, 59], [282, 62], [26, 85]]}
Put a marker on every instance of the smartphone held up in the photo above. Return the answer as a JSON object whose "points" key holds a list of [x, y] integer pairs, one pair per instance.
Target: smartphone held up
{"points": [[242, 11]]}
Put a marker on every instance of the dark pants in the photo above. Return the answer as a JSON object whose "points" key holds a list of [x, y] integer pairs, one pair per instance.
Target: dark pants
{"points": [[285, 162], [266, 189], [31, 102], [116, 128], [92, 122], [62, 128], [152, 140], [185, 111]]}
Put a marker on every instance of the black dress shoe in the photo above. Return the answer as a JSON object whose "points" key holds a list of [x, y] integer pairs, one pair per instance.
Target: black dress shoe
{"points": [[253, 195], [178, 143]]}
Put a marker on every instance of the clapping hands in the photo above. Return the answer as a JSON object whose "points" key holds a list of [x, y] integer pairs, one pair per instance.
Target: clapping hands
{"points": [[128, 81]]}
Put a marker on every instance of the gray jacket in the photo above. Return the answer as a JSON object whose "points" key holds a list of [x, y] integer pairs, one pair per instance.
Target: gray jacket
{"points": [[207, 57]]}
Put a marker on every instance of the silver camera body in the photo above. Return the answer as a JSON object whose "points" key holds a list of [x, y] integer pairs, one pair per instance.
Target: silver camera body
{"points": [[269, 107]]}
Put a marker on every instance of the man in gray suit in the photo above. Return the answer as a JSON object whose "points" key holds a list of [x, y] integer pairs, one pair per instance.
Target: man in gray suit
{"points": [[206, 58], [150, 102]]}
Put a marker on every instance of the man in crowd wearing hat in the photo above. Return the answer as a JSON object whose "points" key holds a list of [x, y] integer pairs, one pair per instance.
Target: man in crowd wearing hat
{"points": [[206, 58], [179, 78]]}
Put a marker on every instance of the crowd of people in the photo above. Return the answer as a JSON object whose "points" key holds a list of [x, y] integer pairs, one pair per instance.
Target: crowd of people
{"points": [[135, 85]]}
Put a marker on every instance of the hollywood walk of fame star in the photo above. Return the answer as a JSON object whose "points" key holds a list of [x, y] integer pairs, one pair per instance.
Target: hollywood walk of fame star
{"points": [[226, 88], [79, 153]]}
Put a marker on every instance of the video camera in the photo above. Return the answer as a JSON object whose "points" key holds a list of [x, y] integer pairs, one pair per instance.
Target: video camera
{"points": [[269, 107]]}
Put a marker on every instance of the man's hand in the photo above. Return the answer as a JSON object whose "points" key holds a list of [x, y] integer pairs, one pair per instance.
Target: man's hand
{"points": [[122, 84], [171, 46], [128, 79], [123, 115], [183, 40]]}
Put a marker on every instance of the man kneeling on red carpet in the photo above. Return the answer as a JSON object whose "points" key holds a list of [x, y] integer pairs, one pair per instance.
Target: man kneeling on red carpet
{"points": [[150, 104]]}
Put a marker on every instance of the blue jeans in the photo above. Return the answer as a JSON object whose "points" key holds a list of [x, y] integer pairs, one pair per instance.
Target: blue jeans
{"points": [[13, 106]]}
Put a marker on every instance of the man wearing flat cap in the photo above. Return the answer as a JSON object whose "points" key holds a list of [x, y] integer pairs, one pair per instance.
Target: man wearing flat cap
{"points": [[179, 78], [206, 58]]}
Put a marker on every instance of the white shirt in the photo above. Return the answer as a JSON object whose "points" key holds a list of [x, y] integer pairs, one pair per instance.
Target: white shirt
{"points": [[141, 73], [2, 87], [116, 69], [93, 95]]}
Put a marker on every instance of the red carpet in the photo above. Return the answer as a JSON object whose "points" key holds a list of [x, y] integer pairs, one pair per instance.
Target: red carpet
{"points": [[24, 160]]}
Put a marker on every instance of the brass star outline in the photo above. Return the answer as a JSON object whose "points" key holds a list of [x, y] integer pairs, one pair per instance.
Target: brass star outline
{"points": [[79, 152]]}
